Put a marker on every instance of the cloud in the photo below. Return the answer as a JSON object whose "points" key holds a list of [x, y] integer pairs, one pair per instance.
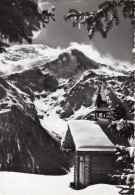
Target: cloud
{"points": [[91, 52], [22, 57]]}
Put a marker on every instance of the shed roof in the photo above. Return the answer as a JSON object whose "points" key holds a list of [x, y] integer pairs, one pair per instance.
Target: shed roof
{"points": [[88, 136]]}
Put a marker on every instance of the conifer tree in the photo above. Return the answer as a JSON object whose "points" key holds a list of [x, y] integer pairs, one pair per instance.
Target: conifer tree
{"points": [[125, 176], [18, 18], [104, 18], [124, 157]]}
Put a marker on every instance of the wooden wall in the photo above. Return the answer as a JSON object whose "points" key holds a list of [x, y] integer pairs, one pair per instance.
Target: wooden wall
{"points": [[87, 170], [100, 166], [97, 167]]}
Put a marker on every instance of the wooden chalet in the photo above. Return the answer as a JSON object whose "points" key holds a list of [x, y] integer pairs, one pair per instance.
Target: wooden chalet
{"points": [[93, 152], [101, 107]]}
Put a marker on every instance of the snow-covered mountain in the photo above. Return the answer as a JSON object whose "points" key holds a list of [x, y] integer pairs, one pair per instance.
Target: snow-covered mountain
{"points": [[24, 145], [48, 89], [23, 57]]}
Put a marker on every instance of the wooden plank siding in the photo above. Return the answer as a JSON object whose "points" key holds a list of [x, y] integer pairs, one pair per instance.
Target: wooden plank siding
{"points": [[97, 167], [87, 170], [100, 166], [76, 171]]}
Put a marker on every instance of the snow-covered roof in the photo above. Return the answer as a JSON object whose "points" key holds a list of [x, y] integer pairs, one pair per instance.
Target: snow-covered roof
{"points": [[88, 136]]}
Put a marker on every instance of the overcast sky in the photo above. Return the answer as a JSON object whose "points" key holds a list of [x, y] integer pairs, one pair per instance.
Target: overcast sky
{"points": [[118, 44]]}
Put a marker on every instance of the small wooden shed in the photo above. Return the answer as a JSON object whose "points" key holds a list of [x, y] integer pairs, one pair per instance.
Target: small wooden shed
{"points": [[93, 152]]}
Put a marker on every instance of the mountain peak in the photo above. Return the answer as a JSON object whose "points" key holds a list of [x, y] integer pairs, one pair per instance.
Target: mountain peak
{"points": [[23, 57]]}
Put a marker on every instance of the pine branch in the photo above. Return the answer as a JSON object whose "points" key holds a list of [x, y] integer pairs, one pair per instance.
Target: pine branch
{"points": [[18, 19], [125, 176], [102, 20]]}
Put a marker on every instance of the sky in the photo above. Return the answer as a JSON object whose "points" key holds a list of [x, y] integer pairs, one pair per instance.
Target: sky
{"points": [[118, 45]]}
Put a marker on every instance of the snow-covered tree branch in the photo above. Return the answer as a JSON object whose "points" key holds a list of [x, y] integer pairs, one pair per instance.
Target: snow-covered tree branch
{"points": [[104, 18], [125, 157], [20, 18]]}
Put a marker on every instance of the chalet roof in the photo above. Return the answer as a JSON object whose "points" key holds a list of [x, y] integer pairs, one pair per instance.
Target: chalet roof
{"points": [[88, 136]]}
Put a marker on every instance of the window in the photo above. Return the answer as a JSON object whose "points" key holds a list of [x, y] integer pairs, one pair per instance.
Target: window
{"points": [[82, 171]]}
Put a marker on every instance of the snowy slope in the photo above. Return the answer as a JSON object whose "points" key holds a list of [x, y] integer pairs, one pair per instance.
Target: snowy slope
{"points": [[19, 183], [25, 146]]}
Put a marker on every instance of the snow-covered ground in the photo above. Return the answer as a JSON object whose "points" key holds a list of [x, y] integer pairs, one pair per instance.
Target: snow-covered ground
{"points": [[47, 108], [30, 184]]}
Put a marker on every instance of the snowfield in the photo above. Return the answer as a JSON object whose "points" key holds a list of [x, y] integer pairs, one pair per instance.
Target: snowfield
{"points": [[30, 184]]}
